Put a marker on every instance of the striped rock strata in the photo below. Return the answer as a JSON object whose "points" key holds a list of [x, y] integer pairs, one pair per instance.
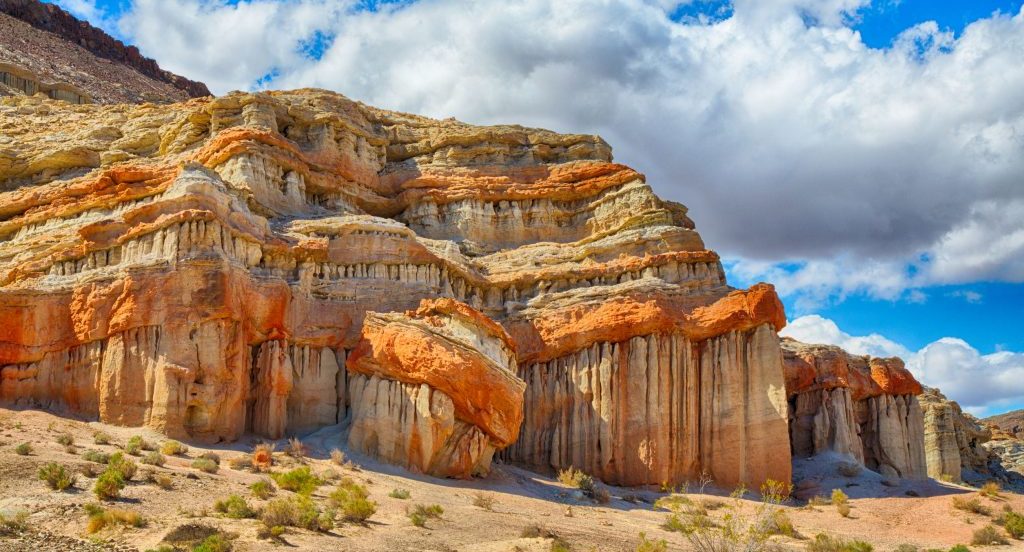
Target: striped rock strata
{"points": [[206, 269]]}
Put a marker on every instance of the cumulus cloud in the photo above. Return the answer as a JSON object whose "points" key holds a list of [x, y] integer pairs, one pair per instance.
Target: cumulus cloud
{"points": [[984, 384], [837, 167]]}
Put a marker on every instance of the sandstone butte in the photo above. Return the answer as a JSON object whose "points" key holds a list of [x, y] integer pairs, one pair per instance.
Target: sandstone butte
{"points": [[278, 262]]}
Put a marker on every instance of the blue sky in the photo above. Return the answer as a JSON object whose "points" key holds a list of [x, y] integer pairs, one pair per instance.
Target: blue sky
{"points": [[864, 156]]}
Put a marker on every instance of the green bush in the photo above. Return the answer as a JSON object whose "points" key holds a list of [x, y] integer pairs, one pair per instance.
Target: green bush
{"points": [[651, 545], [234, 507], [293, 511], [214, 543], [56, 476], [23, 449], [136, 445], [109, 484], [827, 543], [206, 465], [401, 494], [118, 461], [153, 458], [263, 489], [352, 500], [66, 439], [96, 456], [1014, 524], [420, 513], [299, 480], [172, 448], [101, 438]]}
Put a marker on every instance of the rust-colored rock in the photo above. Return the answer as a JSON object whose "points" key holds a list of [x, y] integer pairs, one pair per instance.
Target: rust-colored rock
{"points": [[207, 268]]}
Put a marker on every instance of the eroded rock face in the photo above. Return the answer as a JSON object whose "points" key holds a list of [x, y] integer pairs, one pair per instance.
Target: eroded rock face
{"points": [[207, 268], [864, 407]]}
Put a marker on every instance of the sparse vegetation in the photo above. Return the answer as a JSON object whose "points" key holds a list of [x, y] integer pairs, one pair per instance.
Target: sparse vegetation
{"points": [[126, 466], [401, 494], [100, 517], [1014, 524], [646, 545], [483, 500], [154, 458], [839, 497], [12, 523], [56, 476], [300, 480], [135, 445], [173, 448], [294, 511], [96, 456], [988, 535], [572, 477], [338, 457], [828, 543], [234, 507], [419, 514], [295, 448], [960, 548], [736, 531], [972, 505], [263, 489], [243, 462], [23, 449], [160, 480], [990, 490], [66, 439], [101, 438], [263, 456], [109, 485], [205, 465], [214, 543], [352, 500]]}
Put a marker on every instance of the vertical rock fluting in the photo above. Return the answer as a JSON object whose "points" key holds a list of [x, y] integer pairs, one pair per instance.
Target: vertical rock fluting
{"points": [[862, 407], [207, 268]]}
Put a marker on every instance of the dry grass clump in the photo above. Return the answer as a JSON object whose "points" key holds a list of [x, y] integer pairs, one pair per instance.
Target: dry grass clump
{"points": [[234, 507], [571, 477], [173, 448], [972, 505], [1013, 523], [57, 477], [294, 511], [828, 543], [153, 458], [352, 500], [300, 480], [159, 479], [401, 494], [96, 456], [990, 490], [484, 500], [419, 514], [101, 438], [65, 439], [263, 489], [988, 535], [100, 517], [263, 456], [645, 545], [240, 463], [338, 457], [12, 523], [205, 465], [295, 448], [23, 449]]}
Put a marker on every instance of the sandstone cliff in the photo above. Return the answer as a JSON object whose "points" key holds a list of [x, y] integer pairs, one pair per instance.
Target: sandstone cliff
{"points": [[44, 49], [863, 407], [206, 268]]}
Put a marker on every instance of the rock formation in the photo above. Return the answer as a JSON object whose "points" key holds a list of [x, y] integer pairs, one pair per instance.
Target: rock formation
{"points": [[206, 269], [44, 49], [863, 407], [1010, 423]]}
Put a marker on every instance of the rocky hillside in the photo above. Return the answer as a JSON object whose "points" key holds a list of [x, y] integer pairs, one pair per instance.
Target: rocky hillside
{"points": [[278, 262], [1011, 423], [45, 49]]}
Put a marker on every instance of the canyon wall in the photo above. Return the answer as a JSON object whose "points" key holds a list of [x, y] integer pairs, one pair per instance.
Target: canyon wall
{"points": [[863, 407], [207, 268]]}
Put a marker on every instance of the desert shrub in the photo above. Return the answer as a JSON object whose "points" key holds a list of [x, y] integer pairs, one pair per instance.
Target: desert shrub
{"points": [[96, 456], [135, 445], [56, 476], [571, 477], [299, 480], [401, 494], [23, 449], [352, 500], [672, 502], [89, 470], [13, 522], [263, 489], [960, 548], [234, 507], [243, 462], [839, 497], [419, 514], [990, 489], [109, 484], [211, 456], [101, 438], [483, 500], [972, 505], [66, 439], [843, 508], [294, 511], [828, 543], [100, 517], [777, 522], [646, 545], [153, 458], [263, 456], [295, 448], [688, 522], [205, 465], [214, 543], [1014, 524], [988, 535], [118, 461], [172, 448], [264, 532], [337, 457], [161, 480]]}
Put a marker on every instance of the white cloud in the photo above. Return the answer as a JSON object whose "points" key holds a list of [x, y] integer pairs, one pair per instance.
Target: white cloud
{"points": [[983, 384], [876, 171]]}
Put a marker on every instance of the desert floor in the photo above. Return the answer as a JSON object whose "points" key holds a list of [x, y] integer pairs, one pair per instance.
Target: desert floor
{"points": [[886, 517]]}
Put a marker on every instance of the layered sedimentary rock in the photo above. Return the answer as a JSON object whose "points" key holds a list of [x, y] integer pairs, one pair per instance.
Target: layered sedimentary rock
{"points": [[434, 389], [864, 407], [45, 50], [206, 268]]}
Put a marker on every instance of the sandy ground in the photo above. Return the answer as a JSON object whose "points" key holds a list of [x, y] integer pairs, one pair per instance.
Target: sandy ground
{"points": [[884, 516]]}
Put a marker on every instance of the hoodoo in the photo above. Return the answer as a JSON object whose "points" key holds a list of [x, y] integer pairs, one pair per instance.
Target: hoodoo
{"points": [[257, 262]]}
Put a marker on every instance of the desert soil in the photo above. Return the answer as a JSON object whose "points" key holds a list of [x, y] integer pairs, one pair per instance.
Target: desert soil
{"points": [[882, 515]]}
